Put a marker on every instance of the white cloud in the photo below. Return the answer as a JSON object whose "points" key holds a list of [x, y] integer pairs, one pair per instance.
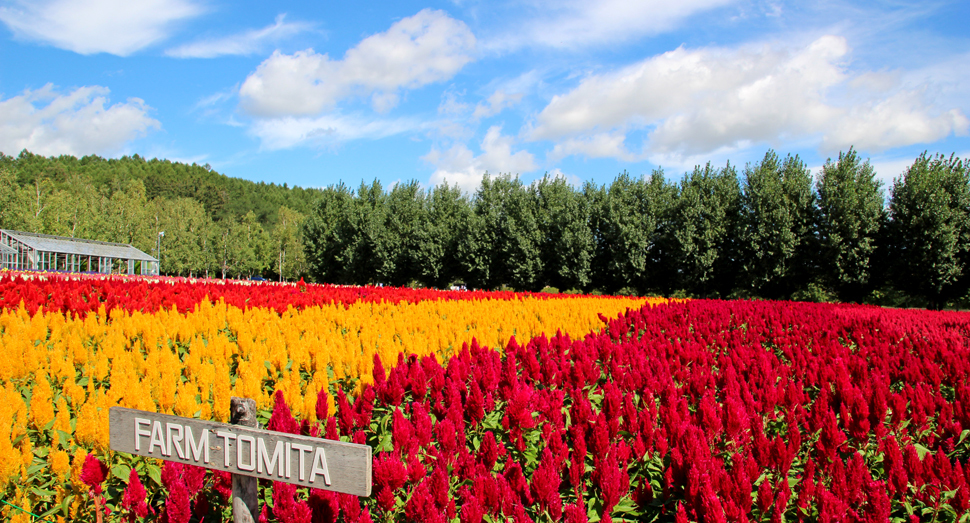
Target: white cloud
{"points": [[499, 101], [245, 43], [119, 27], [325, 131], [422, 49], [599, 145], [901, 119], [78, 123], [694, 102], [575, 181], [459, 165], [575, 23]]}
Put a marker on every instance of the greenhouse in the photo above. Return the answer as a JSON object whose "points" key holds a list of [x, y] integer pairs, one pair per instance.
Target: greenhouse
{"points": [[27, 251]]}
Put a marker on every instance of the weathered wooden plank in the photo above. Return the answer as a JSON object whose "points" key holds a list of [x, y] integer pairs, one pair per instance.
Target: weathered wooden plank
{"points": [[302, 460], [245, 489]]}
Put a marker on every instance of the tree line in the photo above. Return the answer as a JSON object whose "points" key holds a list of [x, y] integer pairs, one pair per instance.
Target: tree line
{"points": [[770, 230], [213, 225]]}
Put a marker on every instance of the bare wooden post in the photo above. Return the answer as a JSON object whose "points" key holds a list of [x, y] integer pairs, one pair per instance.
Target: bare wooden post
{"points": [[245, 502]]}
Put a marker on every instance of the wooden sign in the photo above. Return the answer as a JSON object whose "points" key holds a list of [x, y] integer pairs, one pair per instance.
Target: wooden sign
{"points": [[301, 460]]}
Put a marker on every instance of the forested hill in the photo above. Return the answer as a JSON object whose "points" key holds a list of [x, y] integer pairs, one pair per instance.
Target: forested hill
{"points": [[213, 224], [221, 195]]}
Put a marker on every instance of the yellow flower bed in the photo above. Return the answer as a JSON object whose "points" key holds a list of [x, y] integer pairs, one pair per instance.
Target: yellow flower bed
{"points": [[60, 373]]}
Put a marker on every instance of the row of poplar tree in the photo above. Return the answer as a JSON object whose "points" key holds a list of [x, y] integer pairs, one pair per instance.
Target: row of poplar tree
{"points": [[771, 231]]}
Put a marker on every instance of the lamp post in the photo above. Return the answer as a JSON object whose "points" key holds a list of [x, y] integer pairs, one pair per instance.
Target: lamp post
{"points": [[158, 250]]}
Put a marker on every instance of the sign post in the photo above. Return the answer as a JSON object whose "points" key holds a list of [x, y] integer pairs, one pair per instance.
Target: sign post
{"points": [[245, 451], [245, 496]]}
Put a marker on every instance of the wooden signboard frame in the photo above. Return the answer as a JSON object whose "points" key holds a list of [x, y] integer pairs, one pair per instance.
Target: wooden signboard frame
{"points": [[245, 451]]}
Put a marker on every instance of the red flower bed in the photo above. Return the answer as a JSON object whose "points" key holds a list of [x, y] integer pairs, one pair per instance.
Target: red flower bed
{"points": [[83, 294], [701, 411]]}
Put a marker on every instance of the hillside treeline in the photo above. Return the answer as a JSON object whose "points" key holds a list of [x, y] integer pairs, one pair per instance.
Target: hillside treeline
{"points": [[769, 230], [213, 225]]}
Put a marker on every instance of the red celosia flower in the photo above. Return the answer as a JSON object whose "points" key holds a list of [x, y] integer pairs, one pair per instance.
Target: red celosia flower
{"points": [[133, 500], [681, 516], [93, 473], [324, 506], [402, 434], [438, 486], [194, 477], [765, 496], [416, 469], [516, 480], [380, 376], [331, 432], [389, 476], [223, 483], [471, 510], [281, 420], [488, 452], [545, 485], [322, 405], [345, 413], [475, 405], [576, 512], [177, 505]]}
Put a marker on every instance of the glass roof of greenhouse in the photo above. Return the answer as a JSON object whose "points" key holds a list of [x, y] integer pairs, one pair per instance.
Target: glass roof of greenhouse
{"points": [[61, 244]]}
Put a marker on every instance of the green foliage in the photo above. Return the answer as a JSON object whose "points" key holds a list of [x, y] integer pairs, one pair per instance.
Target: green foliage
{"points": [[632, 223], [776, 233], [930, 228], [567, 243], [439, 237], [131, 200], [705, 223], [502, 238], [850, 216]]}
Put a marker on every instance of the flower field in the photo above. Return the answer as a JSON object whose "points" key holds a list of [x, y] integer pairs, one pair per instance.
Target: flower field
{"points": [[492, 406]]}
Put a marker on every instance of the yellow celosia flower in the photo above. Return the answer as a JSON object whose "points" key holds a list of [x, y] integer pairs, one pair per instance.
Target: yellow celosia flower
{"points": [[192, 363], [41, 403], [60, 463]]}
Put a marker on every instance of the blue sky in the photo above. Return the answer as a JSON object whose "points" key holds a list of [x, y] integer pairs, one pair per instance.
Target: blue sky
{"points": [[314, 93]]}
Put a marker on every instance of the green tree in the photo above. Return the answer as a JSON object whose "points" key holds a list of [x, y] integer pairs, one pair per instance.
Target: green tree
{"points": [[567, 244], [125, 215], [438, 236], [186, 225], [502, 239], [630, 221], [327, 231], [777, 226], [399, 236], [704, 230], [851, 213], [8, 191], [254, 245], [368, 252], [29, 205], [288, 244], [929, 226]]}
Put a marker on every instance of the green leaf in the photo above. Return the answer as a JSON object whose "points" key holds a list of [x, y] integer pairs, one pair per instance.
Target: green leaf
{"points": [[385, 445], [625, 505], [922, 451], [963, 436], [122, 472], [154, 472]]}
